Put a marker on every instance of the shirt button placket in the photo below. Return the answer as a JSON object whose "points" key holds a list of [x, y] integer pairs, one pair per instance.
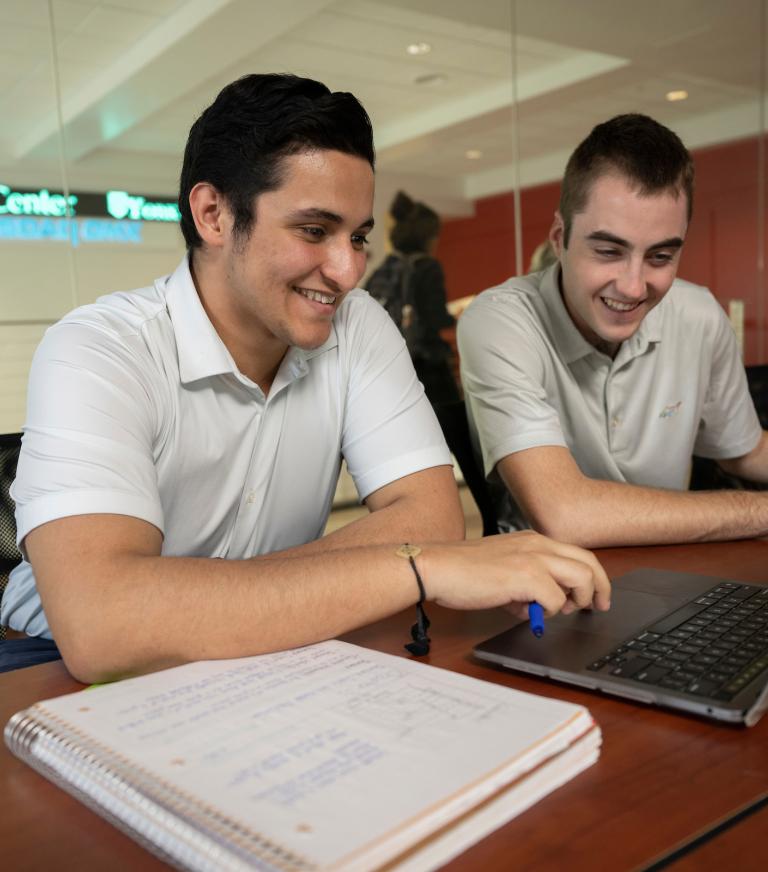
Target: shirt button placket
{"points": [[250, 498], [614, 418], [609, 418]]}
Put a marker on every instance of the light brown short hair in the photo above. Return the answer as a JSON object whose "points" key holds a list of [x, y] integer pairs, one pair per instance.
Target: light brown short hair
{"points": [[633, 146]]}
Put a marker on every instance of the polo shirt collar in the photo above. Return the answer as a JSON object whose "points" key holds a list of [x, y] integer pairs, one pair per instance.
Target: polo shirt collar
{"points": [[295, 364], [202, 353], [571, 345], [647, 333]]}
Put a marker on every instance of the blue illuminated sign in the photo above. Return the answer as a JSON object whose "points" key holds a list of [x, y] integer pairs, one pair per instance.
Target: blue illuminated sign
{"points": [[76, 231], [41, 215], [35, 203], [121, 204]]}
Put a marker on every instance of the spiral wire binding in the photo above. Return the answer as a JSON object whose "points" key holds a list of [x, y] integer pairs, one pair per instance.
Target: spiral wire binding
{"points": [[170, 823]]}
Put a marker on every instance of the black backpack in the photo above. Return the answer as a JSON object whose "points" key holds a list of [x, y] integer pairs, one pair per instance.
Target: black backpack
{"points": [[390, 285]]}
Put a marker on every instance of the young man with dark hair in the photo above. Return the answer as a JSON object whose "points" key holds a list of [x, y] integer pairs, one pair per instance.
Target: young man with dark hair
{"points": [[590, 385], [183, 441]]}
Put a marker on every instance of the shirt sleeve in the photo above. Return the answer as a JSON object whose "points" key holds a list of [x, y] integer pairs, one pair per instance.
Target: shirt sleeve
{"points": [[87, 445], [390, 429], [729, 424], [503, 372]]}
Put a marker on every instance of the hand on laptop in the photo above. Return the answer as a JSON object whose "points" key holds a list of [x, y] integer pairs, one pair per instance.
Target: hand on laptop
{"points": [[513, 570]]}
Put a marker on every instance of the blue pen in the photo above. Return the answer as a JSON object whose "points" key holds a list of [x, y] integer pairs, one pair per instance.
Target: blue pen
{"points": [[536, 617]]}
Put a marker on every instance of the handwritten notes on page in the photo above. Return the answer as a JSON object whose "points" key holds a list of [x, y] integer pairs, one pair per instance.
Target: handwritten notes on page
{"points": [[343, 755]]}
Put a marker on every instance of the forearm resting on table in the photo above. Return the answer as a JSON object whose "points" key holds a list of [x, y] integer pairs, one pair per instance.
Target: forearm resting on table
{"points": [[121, 609], [108, 567], [116, 607], [559, 501]]}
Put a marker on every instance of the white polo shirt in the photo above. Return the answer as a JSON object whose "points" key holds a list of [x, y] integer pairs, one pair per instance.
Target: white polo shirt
{"points": [[136, 407], [676, 387]]}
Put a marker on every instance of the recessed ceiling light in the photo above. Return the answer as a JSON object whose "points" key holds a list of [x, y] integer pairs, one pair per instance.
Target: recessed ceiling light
{"points": [[473, 154], [674, 96], [430, 79], [419, 48]]}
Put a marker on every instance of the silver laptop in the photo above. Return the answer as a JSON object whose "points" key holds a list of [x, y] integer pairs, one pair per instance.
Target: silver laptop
{"points": [[687, 642]]}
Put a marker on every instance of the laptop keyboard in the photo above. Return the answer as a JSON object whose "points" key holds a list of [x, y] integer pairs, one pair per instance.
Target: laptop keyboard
{"points": [[714, 646]]}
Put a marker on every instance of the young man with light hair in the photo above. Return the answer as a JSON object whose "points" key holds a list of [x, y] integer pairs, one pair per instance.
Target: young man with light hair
{"points": [[591, 384]]}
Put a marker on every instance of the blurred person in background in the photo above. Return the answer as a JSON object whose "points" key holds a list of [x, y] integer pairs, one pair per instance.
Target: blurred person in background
{"points": [[543, 256], [409, 283]]}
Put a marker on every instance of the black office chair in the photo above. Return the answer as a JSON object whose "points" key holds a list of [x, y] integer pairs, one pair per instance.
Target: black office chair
{"points": [[453, 420], [705, 473], [757, 379], [10, 445]]}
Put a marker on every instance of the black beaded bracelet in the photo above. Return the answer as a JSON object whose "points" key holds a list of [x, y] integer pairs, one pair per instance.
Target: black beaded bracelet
{"points": [[421, 641]]}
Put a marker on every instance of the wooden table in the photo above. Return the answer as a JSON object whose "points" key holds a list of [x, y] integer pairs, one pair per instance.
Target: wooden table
{"points": [[663, 780]]}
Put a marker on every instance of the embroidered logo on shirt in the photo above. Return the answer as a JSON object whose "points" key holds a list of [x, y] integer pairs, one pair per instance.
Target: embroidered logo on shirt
{"points": [[671, 409]]}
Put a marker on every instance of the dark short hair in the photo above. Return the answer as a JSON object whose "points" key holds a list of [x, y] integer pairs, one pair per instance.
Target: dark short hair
{"points": [[240, 140], [416, 225], [635, 146]]}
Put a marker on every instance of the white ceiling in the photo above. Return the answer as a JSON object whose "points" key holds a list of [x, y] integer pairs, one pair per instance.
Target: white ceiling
{"points": [[133, 75]]}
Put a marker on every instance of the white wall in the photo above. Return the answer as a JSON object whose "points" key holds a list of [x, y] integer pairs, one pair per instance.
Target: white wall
{"points": [[41, 281]]}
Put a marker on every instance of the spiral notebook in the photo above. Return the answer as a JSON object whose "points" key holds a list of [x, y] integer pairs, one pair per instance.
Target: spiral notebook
{"points": [[329, 757]]}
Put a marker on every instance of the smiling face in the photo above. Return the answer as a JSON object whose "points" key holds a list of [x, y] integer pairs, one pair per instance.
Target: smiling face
{"points": [[305, 251], [621, 258]]}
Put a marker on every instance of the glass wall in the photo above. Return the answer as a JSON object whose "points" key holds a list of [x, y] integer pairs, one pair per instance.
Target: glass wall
{"points": [[36, 282], [476, 107]]}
